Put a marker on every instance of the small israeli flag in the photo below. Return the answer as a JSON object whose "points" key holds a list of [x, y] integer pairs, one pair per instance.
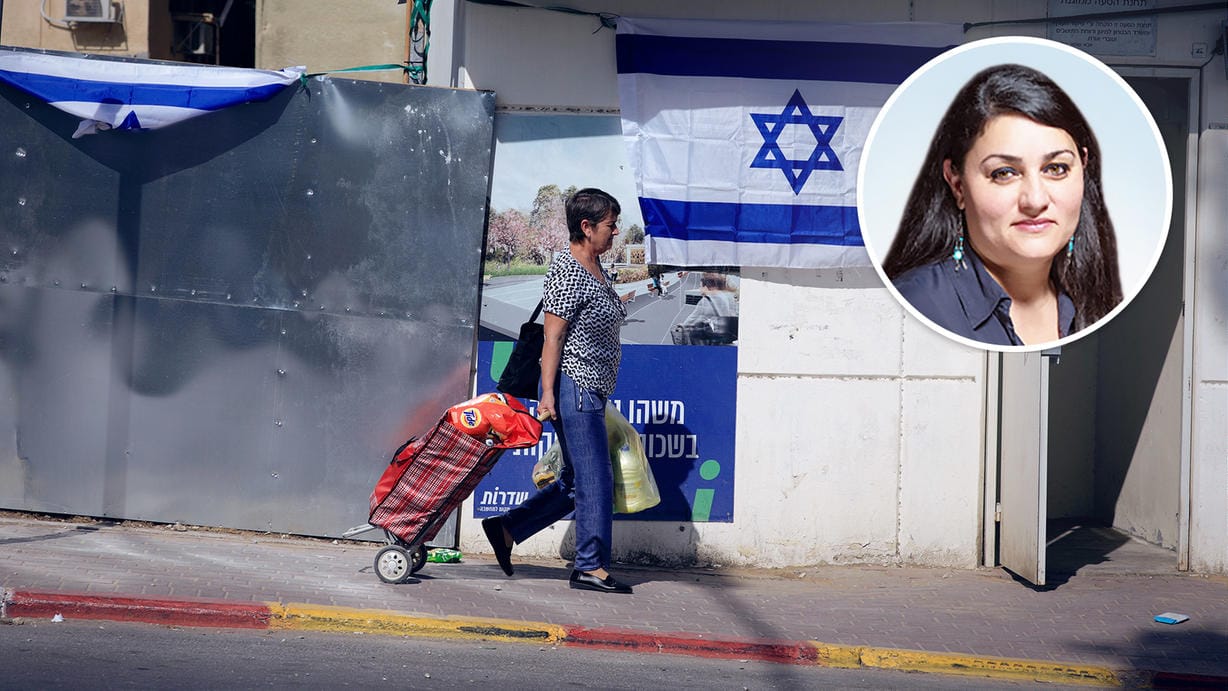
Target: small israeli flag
{"points": [[116, 94]]}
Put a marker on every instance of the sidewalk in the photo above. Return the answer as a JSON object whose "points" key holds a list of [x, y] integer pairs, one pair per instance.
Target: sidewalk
{"points": [[1089, 629]]}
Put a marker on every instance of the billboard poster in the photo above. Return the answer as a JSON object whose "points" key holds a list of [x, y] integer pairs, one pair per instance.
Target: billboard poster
{"points": [[677, 382], [680, 400]]}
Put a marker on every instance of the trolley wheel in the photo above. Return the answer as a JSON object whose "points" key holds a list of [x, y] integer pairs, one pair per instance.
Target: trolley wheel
{"points": [[392, 564], [419, 559]]}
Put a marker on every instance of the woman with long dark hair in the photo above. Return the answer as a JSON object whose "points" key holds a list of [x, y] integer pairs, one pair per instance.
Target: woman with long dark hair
{"points": [[1005, 238]]}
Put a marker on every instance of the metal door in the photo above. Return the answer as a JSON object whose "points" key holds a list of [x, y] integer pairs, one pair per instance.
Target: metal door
{"points": [[1023, 458]]}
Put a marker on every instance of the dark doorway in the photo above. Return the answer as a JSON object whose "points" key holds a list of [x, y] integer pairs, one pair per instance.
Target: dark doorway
{"points": [[213, 32], [1115, 411]]}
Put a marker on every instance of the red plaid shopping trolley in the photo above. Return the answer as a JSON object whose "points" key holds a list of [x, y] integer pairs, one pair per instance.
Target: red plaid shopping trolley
{"points": [[429, 476]]}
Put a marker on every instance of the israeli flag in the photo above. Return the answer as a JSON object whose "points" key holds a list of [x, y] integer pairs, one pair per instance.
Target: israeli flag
{"points": [[116, 94], [745, 137]]}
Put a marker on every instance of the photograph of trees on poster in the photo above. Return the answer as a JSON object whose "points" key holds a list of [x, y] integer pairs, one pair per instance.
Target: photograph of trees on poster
{"points": [[539, 162], [520, 242]]}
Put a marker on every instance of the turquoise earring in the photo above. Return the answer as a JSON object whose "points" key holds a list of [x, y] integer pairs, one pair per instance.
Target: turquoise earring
{"points": [[957, 255], [1070, 248]]}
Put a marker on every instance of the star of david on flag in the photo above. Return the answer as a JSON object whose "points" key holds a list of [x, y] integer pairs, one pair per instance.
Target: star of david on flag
{"points": [[745, 137], [125, 95], [796, 113]]}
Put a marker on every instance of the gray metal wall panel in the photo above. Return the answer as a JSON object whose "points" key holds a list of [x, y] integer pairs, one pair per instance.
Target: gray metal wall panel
{"points": [[233, 321]]}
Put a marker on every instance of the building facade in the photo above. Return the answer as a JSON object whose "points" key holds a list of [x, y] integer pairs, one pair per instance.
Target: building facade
{"points": [[862, 436]]}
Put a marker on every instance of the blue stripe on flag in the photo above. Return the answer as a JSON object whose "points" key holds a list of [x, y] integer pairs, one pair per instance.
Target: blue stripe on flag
{"points": [[752, 223], [795, 60], [54, 89]]}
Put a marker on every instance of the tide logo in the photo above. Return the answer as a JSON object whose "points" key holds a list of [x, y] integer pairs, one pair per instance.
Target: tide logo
{"points": [[471, 417]]}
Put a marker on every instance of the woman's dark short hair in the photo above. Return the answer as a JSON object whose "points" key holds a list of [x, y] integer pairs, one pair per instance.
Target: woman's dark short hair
{"points": [[589, 204], [932, 221]]}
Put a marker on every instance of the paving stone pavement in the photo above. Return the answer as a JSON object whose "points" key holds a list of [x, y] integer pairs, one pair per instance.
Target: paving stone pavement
{"points": [[1103, 620]]}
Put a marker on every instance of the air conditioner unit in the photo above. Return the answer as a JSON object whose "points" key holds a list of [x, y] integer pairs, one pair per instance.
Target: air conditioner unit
{"points": [[89, 11]]}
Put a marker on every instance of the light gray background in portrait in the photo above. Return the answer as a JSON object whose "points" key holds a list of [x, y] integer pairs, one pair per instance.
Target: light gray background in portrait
{"points": [[1135, 172]]}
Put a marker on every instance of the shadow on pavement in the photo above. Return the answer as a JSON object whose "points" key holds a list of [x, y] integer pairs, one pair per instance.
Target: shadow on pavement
{"points": [[51, 536]]}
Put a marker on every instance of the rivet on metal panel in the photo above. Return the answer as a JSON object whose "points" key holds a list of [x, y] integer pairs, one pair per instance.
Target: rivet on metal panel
{"points": [[274, 475], [27, 106], [311, 192], [21, 201], [227, 296], [84, 286], [153, 288], [309, 257], [283, 332], [314, 140], [21, 153], [193, 292], [347, 309], [281, 372], [57, 283], [113, 289], [277, 422], [303, 292]]}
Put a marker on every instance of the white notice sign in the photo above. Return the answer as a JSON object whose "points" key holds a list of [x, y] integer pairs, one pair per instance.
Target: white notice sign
{"points": [[1117, 36]]}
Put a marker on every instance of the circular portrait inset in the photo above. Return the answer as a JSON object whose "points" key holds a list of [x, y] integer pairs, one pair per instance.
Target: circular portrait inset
{"points": [[1014, 194]]}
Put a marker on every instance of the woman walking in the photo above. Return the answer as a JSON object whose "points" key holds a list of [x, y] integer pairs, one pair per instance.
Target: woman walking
{"points": [[580, 359]]}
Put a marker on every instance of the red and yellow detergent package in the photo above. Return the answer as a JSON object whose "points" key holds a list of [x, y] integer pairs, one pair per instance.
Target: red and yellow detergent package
{"points": [[497, 417]]}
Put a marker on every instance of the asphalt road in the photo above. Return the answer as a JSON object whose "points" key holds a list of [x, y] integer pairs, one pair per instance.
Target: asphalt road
{"points": [[84, 655]]}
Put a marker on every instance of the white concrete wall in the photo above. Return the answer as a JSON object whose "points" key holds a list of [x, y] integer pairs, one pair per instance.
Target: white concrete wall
{"points": [[859, 432], [1209, 434], [1209, 372]]}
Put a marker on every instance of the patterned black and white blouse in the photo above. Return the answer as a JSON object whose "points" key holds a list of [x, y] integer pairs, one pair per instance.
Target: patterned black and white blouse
{"points": [[594, 315]]}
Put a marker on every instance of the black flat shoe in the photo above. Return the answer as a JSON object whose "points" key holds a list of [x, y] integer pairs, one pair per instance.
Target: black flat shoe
{"points": [[587, 581], [493, 527]]}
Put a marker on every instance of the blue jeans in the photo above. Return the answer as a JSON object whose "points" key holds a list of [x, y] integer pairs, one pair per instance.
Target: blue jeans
{"points": [[586, 484]]}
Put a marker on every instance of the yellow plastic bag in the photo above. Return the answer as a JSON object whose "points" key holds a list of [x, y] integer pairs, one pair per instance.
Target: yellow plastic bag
{"points": [[635, 489]]}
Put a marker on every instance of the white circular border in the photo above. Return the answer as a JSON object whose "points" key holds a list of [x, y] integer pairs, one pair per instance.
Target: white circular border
{"points": [[1068, 67]]}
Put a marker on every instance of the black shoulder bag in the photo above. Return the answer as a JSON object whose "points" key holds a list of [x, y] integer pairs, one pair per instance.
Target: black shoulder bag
{"points": [[524, 366]]}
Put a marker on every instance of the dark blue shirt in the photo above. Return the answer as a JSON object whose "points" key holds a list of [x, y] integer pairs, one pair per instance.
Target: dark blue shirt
{"points": [[969, 302]]}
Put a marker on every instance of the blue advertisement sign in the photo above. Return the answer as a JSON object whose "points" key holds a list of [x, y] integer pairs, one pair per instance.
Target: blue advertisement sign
{"points": [[682, 402]]}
